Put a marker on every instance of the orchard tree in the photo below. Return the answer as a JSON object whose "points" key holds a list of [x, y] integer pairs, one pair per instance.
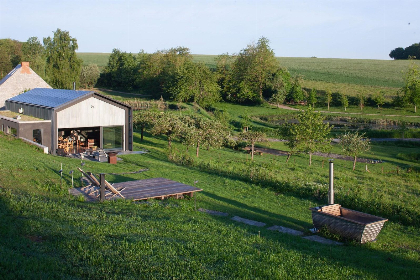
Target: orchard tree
{"points": [[168, 125], [312, 97], [144, 119], [278, 97], [310, 134], [353, 144], [361, 97], [62, 65], [379, 98], [344, 101], [411, 88], [252, 137], [329, 97], [201, 132]]}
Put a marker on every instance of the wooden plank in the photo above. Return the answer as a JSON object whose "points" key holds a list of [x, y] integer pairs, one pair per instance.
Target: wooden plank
{"points": [[141, 183], [160, 188], [146, 188], [172, 186], [163, 192], [152, 197]]}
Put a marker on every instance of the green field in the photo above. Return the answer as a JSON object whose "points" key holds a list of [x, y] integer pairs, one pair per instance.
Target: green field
{"points": [[46, 233]]}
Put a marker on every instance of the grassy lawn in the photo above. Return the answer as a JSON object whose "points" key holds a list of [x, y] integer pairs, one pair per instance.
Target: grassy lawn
{"points": [[46, 233]]}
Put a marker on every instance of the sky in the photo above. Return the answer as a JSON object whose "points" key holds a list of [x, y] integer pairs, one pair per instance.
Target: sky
{"points": [[356, 29]]}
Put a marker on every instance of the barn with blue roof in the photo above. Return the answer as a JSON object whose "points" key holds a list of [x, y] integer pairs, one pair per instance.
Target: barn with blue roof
{"points": [[69, 121]]}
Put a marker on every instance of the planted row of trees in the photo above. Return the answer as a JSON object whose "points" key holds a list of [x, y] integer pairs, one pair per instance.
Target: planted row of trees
{"points": [[191, 131], [311, 134]]}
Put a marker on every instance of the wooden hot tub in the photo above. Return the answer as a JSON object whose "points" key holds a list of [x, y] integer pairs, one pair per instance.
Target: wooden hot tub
{"points": [[347, 223]]}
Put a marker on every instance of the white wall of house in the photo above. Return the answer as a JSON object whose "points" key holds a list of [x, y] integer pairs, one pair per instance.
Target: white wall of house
{"points": [[22, 78], [91, 112]]}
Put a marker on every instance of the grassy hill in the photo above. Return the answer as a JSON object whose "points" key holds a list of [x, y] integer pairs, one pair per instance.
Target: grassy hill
{"points": [[46, 233]]}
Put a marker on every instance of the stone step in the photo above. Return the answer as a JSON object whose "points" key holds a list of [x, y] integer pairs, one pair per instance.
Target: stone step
{"points": [[248, 222], [286, 230]]}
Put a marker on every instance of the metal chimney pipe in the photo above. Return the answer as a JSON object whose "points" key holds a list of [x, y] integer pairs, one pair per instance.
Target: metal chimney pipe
{"points": [[331, 188], [74, 85]]}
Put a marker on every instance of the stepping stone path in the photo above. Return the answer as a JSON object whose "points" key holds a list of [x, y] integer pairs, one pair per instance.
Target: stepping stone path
{"points": [[248, 222], [286, 230], [281, 229], [212, 212], [322, 240]]}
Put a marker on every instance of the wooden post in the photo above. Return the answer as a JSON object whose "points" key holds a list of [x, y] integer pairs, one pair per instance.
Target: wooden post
{"points": [[102, 189], [331, 188]]}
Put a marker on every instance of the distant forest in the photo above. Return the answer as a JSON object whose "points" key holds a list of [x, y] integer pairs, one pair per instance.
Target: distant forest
{"points": [[412, 52]]}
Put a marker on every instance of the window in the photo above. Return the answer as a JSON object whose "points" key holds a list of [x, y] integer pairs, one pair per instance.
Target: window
{"points": [[37, 136], [113, 137]]}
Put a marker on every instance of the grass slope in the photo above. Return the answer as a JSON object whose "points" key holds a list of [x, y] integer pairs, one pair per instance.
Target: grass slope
{"points": [[46, 233]]}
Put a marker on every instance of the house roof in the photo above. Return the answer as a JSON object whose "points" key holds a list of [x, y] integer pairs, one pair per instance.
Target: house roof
{"points": [[10, 74], [51, 98]]}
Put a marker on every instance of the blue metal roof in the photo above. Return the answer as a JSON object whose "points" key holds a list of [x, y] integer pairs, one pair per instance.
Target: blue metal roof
{"points": [[48, 97]]}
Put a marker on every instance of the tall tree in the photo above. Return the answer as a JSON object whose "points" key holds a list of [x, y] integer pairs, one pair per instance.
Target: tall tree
{"points": [[251, 72], [194, 82], [34, 52], [296, 93], [310, 134], [353, 144], [62, 65], [121, 70], [411, 88], [10, 55]]}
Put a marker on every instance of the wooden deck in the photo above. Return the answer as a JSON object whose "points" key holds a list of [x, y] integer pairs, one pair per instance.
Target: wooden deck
{"points": [[160, 188]]}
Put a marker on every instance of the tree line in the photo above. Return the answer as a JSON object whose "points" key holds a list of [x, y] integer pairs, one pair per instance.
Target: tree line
{"points": [[54, 60], [250, 77], [412, 52]]}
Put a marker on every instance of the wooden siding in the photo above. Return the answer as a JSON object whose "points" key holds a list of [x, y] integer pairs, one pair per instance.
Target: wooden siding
{"points": [[91, 112]]}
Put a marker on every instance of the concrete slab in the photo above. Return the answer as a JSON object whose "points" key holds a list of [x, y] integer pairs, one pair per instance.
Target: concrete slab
{"points": [[248, 222], [322, 240], [286, 230], [213, 212]]}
